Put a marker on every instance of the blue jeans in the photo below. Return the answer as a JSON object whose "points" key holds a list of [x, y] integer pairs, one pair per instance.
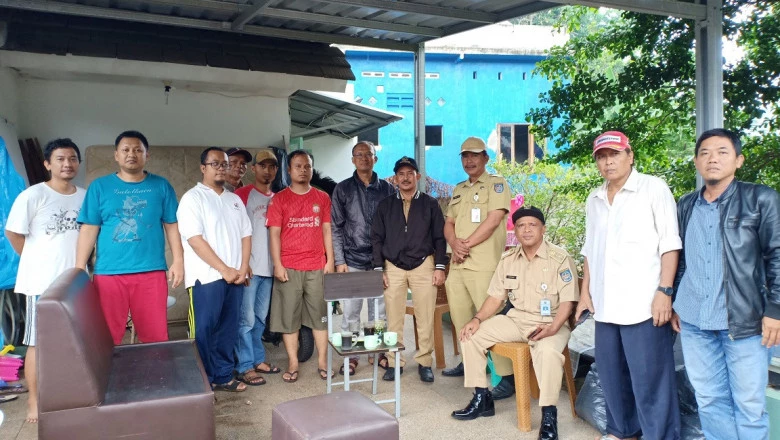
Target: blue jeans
{"points": [[730, 379], [251, 325]]}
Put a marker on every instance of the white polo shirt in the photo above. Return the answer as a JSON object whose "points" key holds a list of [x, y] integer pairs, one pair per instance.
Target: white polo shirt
{"points": [[222, 221], [624, 242]]}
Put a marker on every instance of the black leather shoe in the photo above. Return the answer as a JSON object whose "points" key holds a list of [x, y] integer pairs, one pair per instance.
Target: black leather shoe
{"points": [[549, 428], [505, 388], [454, 372], [481, 405], [390, 373], [426, 374]]}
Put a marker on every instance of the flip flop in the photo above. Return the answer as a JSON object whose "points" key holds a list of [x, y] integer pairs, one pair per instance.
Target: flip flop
{"points": [[231, 386], [8, 398], [353, 363], [324, 373], [272, 369], [383, 362], [291, 376], [254, 381], [13, 389]]}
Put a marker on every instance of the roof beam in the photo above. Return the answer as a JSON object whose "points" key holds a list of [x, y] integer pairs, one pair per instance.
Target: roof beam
{"points": [[351, 22], [143, 17], [213, 5], [419, 8], [519, 11], [251, 12], [671, 8]]}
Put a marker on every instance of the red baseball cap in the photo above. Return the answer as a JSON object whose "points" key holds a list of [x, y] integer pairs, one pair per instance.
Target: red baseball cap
{"points": [[611, 139]]}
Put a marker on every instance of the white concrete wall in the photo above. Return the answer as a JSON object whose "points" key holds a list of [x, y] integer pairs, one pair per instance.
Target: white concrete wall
{"points": [[332, 155], [93, 113], [9, 117]]}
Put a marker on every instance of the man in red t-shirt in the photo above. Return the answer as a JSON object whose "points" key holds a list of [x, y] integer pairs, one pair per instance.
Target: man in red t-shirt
{"points": [[302, 251]]}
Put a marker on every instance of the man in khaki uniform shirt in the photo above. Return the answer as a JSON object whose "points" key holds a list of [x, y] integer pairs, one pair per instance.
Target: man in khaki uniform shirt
{"points": [[474, 229], [539, 279]]}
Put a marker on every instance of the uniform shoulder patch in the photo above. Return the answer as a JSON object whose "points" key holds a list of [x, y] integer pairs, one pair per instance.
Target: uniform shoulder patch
{"points": [[498, 187], [566, 275]]}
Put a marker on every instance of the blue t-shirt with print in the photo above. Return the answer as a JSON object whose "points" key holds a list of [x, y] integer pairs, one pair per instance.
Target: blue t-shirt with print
{"points": [[131, 217]]}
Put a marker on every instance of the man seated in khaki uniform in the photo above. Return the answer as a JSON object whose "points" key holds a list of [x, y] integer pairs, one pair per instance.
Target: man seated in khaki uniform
{"points": [[539, 279]]}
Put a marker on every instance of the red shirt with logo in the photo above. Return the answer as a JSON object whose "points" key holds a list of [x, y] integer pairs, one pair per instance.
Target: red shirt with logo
{"points": [[300, 216]]}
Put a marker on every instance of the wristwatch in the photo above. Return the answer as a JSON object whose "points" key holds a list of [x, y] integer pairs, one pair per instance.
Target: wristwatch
{"points": [[668, 291]]}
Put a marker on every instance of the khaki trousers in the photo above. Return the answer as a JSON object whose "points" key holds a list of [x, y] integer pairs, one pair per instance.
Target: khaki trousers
{"points": [[546, 354], [420, 281], [466, 291]]}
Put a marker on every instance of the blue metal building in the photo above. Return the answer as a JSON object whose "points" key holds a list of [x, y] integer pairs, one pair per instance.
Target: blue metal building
{"points": [[484, 95]]}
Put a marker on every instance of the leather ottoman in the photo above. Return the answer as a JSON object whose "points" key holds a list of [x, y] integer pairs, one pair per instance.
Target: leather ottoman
{"points": [[342, 415]]}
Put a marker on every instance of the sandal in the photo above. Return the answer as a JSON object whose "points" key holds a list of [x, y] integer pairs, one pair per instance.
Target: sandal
{"points": [[353, 363], [324, 373], [253, 381], [290, 376], [383, 362], [272, 369], [12, 389], [232, 386]]}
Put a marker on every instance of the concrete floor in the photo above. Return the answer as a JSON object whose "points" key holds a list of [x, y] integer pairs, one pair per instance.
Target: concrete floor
{"points": [[425, 409]]}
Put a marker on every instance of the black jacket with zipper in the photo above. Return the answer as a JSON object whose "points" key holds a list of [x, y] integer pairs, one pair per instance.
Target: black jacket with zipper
{"points": [[750, 227], [407, 243]]}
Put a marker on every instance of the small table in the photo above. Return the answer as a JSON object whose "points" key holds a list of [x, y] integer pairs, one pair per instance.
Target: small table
{"points": [[358, 350]]}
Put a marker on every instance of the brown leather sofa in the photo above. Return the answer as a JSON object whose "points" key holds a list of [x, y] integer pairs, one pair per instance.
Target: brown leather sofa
{"points": [[89, 389]]}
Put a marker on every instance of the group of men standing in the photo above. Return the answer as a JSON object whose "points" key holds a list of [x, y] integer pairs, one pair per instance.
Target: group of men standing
{"points": [[707, 267]]}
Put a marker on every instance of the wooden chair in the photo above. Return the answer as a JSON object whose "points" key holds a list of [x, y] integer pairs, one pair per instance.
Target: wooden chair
{"points": [[525, 379], [442, 307]]}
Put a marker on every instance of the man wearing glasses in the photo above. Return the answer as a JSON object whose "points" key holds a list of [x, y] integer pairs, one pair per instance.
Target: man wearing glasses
{"points": [[238, 158], [217, 236], [354, 202]]}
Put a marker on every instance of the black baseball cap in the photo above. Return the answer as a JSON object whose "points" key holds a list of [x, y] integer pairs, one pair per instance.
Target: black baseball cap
{"points": [[233, 151], [405, 161]]}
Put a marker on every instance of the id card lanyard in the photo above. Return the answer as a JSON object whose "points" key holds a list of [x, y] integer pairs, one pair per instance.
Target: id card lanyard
{"points": [[545, 306]]}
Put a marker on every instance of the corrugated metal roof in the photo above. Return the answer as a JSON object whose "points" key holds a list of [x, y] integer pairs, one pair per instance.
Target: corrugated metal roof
{"points": [[314, 114], [390, 24]]}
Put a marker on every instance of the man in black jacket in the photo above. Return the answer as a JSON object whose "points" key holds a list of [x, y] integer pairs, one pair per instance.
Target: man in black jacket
{"points": [[354, 202], [728, 290], [409, 246]]}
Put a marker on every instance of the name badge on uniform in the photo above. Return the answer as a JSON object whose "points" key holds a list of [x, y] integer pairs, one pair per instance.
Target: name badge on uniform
{"points": [[545, 308], [475, 215]]}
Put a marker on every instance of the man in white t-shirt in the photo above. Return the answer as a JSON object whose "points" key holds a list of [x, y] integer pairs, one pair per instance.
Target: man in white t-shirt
{"points": [[257, 295], [631, 249], [217, 238], [42, 229]]}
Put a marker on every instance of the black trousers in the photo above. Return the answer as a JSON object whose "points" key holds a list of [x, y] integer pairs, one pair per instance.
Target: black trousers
{"points": [[636, 370]]}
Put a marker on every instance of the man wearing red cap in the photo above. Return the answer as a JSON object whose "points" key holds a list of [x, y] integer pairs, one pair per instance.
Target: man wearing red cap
{"points": [[631, 249]]}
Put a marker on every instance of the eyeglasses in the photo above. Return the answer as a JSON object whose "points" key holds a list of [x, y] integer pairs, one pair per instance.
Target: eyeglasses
{"points": [[363, 155], [218, 165]]}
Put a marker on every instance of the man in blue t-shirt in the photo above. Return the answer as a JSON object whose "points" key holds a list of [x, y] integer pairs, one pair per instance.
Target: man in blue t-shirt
{"points": [[125, 214]]}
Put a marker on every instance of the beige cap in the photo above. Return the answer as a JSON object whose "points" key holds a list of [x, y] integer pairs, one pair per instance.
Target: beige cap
{"points": [[473, 145], [265, 154]]}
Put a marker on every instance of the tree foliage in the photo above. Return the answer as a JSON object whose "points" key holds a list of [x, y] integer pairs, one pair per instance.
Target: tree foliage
{"points": [[636, 73]]}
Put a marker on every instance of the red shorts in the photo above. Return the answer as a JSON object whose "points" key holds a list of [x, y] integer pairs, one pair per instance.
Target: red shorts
{"points": [[144, 295]]}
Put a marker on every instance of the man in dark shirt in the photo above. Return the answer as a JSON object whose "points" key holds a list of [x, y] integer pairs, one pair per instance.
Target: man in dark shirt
{"points": [[409, 246]]}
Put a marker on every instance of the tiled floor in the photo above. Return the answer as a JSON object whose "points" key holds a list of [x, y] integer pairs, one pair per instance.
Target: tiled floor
{"points": [[425, 410]]}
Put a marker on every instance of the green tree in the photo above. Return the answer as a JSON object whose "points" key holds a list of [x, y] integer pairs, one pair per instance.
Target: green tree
{"points": [[636, 73], [559, 191]]}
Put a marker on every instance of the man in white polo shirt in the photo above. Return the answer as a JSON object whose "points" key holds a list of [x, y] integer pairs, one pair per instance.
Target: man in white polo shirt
{"points": [[631, 250], [217, 238]]}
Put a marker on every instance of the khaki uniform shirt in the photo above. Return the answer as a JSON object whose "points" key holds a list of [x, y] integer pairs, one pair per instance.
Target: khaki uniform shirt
{"points": [[489, 193], [550, 274]]}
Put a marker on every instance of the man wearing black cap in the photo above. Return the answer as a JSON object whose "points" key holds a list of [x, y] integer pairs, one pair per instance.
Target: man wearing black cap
{"points": [[407, 235], [539, 278], [238, 158]]}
